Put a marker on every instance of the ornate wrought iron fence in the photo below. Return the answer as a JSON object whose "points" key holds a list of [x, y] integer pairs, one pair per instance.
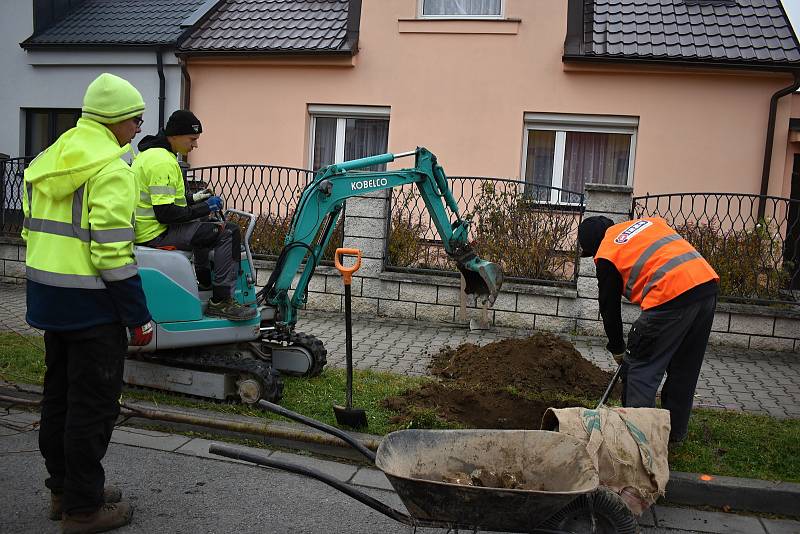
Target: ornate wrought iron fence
{"points": [[11, 174], [757, 259], [514, 224], [270, 192]]}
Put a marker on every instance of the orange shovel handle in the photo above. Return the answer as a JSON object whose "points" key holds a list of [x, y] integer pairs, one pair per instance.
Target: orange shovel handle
{"points": [[347, 272]]}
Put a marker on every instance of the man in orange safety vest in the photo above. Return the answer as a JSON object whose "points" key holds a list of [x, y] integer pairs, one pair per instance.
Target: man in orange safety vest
{"points": [[648, 263]]}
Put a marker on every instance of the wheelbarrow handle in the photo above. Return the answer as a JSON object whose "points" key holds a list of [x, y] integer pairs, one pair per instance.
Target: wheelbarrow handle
{"points": [[347, 272], [235, 453], [319, 425]]}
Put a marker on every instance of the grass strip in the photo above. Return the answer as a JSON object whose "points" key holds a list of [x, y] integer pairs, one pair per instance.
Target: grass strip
{"points": [[722, 443]]}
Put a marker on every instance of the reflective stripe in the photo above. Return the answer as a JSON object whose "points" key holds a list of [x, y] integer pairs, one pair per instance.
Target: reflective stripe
{"points": [[55, 228], [144, 195], [82, 281], [113, 235], [642, 259], [77, 209], [145, 212], [180, 202], [161, 190], [667, 267], [120, 273]]}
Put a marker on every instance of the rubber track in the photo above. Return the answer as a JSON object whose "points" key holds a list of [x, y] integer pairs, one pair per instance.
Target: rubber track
{"points": [[309, 342], [270, 379]]}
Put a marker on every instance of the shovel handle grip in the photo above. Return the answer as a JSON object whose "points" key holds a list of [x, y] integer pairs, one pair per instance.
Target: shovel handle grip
{"points": [[347, 272]]}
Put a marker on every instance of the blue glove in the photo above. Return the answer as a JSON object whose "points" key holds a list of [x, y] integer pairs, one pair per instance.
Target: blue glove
{"points": [[214, 203]]}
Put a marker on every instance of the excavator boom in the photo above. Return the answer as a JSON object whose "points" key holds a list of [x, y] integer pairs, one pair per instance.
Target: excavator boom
{"points": [[322, 201]]}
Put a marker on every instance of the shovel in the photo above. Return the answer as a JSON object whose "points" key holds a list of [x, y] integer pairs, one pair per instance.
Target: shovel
{"points": [[612, 383], [347, 415]]}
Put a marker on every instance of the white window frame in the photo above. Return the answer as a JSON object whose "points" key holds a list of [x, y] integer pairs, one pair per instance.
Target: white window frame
{"points": [[563, 123], [421, 15], [341, 113]]}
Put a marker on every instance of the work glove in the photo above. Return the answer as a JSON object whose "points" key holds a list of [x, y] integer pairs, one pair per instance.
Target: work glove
{"points": [[214, 203], [202, 195], [141, 335], [619, 357]]}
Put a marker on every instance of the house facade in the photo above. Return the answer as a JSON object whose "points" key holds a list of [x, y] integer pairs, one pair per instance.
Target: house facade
{"points": [[664, 97], [52, 49]]}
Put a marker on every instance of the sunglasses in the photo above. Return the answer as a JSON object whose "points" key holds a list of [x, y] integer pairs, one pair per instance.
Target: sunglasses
{"points": [[138, 121]]}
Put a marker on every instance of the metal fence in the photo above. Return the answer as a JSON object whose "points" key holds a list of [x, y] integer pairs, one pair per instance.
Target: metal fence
{"points": [[11, 173], [514, 224], [757, 258], [270, 192]]}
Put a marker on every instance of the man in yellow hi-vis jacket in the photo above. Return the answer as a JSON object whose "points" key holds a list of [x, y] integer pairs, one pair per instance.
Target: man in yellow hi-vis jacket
{"points": [[84, 290]]}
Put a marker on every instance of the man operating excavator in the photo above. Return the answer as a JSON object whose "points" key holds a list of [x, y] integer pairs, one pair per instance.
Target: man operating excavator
{"points": [[166, 217], [652, 266]]}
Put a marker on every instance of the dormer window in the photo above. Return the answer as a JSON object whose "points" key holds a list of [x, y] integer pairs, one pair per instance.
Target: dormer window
{"points": [[486, 9]]}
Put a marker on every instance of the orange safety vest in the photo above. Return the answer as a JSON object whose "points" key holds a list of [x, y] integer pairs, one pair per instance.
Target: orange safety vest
{"points": [[656, 263]]}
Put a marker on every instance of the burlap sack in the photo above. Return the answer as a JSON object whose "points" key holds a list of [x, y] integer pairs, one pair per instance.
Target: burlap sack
{"points": [[627, 445]]}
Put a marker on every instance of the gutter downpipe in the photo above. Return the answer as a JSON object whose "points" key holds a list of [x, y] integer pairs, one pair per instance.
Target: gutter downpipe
{"points": [[187, 83], [161, 87], [773, 111]]}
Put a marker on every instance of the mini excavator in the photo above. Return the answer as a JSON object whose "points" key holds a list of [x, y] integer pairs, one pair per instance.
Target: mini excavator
{"points": [[197, 355]]}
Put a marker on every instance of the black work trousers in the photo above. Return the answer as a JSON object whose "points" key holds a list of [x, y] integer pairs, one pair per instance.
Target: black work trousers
{"points": [[82, 385], [671, 341]]}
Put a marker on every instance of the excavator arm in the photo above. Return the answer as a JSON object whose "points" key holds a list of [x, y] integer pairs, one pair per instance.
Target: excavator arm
{"points": [[320, 206]]}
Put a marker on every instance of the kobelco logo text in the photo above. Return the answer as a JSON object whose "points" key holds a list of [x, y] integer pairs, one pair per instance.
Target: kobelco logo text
{"points": [[368, 184], [631, 231]]}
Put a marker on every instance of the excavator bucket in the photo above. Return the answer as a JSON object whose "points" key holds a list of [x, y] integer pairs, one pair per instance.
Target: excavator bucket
{"points": [[482, 278]]}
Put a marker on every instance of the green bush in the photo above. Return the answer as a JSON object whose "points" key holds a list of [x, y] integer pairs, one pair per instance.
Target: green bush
{"points": [[527, 238], [269, 235], [406, 238], [748, 261]]}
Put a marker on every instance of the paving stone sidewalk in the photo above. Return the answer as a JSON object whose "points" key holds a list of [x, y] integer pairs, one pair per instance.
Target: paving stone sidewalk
{"points": [[756, 381]]}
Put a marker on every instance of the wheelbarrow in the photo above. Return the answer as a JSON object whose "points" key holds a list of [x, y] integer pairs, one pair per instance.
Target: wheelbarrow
{"points": [[415, 461]]}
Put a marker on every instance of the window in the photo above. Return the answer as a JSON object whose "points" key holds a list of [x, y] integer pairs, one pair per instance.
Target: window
{"points": [[43, 126], [565, 152], [462, 8], [342, 133]]}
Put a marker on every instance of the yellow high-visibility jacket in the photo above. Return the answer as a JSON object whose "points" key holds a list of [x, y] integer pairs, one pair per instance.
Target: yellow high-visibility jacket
{"points": [[160, 181], [78, 201]]}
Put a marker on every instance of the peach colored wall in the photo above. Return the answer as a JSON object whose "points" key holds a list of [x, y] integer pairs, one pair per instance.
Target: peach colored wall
{"points": [[464, 95]]}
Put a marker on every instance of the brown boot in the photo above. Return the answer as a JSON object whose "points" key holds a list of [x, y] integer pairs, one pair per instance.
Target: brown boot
{"points": [[107, 517], [111, 494]]}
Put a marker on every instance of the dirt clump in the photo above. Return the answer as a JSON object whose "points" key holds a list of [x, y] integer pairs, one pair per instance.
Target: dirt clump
{"points": [[507, 384]]}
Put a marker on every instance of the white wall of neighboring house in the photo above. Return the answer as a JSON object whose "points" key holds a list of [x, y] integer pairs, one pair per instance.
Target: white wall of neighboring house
{"points": [[58, 78]]}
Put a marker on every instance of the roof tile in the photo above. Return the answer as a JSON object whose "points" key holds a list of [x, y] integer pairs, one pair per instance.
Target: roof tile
{"points": [[119, 22], [721, 30], [274, 26]]}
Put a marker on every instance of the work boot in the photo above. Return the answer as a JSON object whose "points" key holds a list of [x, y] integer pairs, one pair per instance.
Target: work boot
{"points": [[107, 517], [111, 494], [231, 310]]}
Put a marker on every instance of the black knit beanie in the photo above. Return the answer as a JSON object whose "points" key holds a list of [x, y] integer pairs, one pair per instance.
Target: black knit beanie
{"points": [[591, 232], [183, 122]]}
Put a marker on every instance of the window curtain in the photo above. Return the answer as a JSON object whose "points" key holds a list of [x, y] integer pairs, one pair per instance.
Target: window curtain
{"points": [[595, 158], [324, 142], [366, 137], [461, 7], [539, 164]]}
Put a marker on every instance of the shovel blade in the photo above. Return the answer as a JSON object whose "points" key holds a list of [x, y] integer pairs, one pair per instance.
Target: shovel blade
{"points": [[482, 277], [352, 417]]}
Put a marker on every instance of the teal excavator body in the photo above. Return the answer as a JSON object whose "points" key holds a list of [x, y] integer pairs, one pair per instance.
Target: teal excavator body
{"points": [[204, 356]]}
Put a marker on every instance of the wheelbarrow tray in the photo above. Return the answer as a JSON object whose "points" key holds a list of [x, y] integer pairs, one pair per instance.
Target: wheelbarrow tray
{"points": [[556, 464]]}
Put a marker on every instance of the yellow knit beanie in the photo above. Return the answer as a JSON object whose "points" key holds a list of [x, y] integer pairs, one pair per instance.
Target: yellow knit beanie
{"points": [[110, 99]]}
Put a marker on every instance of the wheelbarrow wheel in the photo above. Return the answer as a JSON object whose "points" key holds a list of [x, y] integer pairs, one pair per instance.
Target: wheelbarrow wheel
{"points": [[599, 512]]}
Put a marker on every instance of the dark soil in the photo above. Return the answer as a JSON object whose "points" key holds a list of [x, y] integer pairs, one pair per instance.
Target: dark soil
{"points": [[506, 384]]}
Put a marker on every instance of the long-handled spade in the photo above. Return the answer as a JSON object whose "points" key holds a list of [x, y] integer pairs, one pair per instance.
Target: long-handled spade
{"points": [[347, 415]]}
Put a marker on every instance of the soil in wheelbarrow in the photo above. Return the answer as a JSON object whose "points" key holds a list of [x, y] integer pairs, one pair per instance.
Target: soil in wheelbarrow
{"points": [[507, 384]]}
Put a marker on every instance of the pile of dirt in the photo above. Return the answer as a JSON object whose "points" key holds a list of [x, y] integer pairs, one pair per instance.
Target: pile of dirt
{"points": [[507, 384]]}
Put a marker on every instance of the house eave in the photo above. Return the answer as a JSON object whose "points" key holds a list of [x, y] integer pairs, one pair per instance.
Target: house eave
{"points": [[771, 66]]}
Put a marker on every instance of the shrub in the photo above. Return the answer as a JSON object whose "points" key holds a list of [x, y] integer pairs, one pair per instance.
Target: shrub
{"points": [[749, 261], [407, 234]]}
